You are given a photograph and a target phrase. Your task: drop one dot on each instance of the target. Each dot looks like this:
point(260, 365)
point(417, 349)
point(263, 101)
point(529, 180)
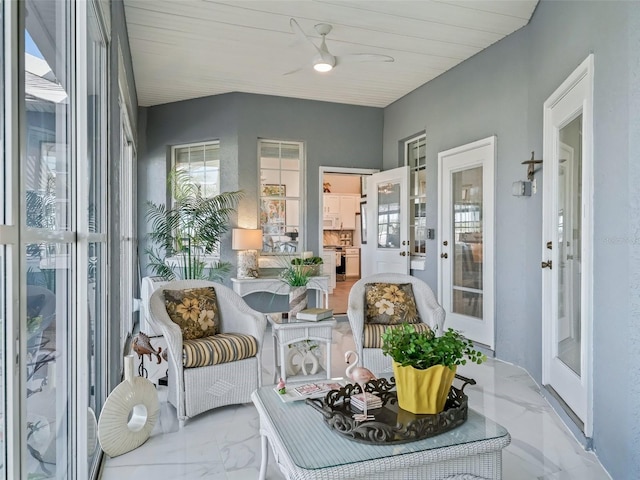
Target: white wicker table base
point(306, 438)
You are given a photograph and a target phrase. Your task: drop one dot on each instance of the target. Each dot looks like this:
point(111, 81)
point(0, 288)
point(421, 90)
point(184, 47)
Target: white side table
point(287, 331)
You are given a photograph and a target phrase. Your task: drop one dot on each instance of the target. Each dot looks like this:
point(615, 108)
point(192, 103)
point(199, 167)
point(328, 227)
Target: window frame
point(272, 259)
point(205, 144)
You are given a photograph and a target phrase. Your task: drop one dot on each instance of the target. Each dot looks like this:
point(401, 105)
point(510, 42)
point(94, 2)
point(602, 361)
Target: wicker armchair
point(429, 310)
point(196, 390)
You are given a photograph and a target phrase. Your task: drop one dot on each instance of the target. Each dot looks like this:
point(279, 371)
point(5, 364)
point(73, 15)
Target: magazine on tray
point(301, 391)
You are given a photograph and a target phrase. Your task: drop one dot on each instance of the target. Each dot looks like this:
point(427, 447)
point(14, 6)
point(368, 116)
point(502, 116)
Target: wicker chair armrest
point(237, 317)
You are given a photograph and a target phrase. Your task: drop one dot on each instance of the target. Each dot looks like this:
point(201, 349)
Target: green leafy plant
point(307, 261)
point(185, 234)
point(298, 271)
point(33, 323)
point(422, 350)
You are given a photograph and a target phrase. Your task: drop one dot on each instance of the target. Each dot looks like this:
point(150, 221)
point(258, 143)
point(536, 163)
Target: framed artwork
point(273, 211)
point(269, 190)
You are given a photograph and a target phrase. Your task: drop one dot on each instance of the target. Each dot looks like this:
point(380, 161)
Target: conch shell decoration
point(142, 346)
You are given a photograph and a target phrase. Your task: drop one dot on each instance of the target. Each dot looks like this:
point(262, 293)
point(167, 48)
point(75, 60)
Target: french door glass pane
point(3, 199)
point(468, 241)
point(48, 186)
point(569, 228)
point(389, 215)
point(96, 290)
point(48, 359)
point(3, 377)
point(95, 368)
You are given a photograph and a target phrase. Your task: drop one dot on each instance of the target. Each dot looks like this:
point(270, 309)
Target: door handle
point(444, 255)
point(546, 264)
point(403, 253)
point(445, 243)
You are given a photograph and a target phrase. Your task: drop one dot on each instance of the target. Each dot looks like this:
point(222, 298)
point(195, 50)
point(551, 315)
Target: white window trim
point(418, 260)
point(274, 259)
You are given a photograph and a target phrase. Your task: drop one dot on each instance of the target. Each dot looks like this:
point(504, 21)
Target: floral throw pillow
point(390, 303)
point(194, 310)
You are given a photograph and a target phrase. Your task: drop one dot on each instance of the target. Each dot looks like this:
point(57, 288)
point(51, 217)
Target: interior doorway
point(342, 196)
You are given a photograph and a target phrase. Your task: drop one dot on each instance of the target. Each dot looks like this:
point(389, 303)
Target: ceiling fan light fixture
point(322, 67)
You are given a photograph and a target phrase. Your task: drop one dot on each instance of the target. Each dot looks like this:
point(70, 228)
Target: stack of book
point(314, 314)
point(373, 402)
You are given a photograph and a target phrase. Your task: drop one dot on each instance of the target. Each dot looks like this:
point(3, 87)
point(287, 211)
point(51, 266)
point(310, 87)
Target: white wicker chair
point(195, 390)
point(429, 310)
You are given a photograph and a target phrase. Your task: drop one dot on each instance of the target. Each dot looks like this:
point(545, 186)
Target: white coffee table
point(304, 447)
point(287, 331)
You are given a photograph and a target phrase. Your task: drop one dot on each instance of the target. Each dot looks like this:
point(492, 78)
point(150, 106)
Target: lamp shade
point(246, 239)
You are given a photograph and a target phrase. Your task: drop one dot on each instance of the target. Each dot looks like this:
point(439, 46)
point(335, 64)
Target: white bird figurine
point(361, 376)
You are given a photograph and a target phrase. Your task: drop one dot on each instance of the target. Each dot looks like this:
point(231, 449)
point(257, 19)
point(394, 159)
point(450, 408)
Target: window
point(48, 172)
point(415, 158)
point(201, 163)
point(281, 176)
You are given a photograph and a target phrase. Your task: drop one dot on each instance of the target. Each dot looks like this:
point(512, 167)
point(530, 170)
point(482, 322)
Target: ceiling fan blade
point(302, 37)
point(363, 57)
point(293, 71)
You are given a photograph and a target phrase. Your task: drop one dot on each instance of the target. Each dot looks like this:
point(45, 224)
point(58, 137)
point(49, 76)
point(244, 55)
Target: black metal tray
point(391, 424)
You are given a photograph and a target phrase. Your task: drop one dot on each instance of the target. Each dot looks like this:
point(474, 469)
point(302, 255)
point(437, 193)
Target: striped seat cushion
point(372, 332)
point(220, 348)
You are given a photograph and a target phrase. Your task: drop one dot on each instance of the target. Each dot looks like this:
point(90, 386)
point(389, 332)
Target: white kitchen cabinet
point(331, 204)
point(342, 207)
point(329, 267)
point(349, 205)
point(352, 262)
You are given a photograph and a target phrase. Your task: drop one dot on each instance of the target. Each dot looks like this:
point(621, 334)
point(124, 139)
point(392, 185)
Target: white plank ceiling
point(186, 49)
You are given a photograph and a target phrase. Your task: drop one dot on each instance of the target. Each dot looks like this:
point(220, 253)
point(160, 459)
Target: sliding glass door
point(52, 237)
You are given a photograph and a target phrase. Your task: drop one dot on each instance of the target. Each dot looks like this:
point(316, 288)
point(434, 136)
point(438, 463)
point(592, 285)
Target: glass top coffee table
point(306, 448)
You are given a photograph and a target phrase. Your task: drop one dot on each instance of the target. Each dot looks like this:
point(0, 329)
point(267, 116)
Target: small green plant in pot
point(424, 364)
point(296, 273)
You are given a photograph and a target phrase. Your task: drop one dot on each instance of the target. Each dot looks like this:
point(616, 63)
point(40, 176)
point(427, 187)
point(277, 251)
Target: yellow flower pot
point(423, 391)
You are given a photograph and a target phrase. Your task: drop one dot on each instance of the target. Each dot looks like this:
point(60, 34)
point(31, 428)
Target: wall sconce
point(525, 188)
point(531, 168)
point(247, 242)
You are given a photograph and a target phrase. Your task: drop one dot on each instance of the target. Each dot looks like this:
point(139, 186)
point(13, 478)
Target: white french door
point(466, 268)
point(387, 248)
point(567, 238)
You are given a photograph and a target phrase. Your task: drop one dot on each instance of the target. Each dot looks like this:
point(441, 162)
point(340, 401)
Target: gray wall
point(333, 135)
point(501, 91)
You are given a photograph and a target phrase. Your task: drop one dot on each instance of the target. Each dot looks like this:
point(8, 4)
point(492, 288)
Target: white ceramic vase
point(129, 413)
point(297, 300)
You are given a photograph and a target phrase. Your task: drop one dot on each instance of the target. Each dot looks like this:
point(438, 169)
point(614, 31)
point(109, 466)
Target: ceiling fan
point(324, 61)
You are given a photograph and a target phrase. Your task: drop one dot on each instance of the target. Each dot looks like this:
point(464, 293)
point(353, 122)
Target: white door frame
point(484, 334)
point(321, 172)
point(388, 259)
point(578, 88)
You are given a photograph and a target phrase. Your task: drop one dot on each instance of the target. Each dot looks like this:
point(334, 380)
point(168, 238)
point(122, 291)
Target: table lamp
point(247, 242)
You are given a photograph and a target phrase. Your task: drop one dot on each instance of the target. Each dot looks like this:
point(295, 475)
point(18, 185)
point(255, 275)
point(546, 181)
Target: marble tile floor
point(224, 444)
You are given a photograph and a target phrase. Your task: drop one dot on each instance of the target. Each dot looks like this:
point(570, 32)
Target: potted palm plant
point(186, 234)
point(424, 364)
